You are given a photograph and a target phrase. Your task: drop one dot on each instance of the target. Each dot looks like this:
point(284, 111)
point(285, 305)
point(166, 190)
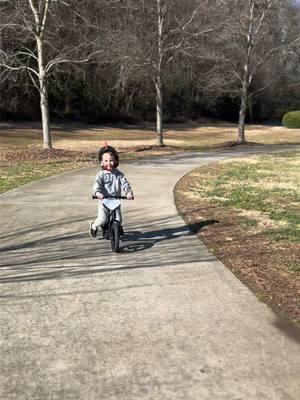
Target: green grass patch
point(264, 187)
point(293, 266)
point(14, 175)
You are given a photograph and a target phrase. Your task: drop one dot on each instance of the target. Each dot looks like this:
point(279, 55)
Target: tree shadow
point(287, 326)
point(74, 254)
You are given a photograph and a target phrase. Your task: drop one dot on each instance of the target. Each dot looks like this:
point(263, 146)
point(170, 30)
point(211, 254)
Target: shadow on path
point(146, 240)
point(75, 254)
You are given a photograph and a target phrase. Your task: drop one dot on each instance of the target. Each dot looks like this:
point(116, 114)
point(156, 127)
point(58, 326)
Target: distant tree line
point(110, 61)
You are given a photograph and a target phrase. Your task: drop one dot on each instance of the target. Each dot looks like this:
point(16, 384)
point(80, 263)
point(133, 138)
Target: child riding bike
point(109, 182)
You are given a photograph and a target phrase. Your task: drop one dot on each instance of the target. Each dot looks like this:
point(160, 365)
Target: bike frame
point(112, 221)
point(112, 204)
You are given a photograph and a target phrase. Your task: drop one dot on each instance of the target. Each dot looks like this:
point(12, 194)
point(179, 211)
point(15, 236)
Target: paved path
point(162, 320)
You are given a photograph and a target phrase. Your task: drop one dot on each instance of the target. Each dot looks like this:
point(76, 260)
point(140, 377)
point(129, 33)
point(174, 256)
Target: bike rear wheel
point(115, 238)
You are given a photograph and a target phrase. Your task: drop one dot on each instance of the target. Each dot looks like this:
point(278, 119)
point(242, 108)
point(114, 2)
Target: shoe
point(92, 232)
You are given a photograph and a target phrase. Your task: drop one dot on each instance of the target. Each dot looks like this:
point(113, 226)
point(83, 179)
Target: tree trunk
point(242, 116)
point(45, 117)
point(244, 99)
point(158, 85)
point(246, 76)
point(44, 97)
point(159, 127)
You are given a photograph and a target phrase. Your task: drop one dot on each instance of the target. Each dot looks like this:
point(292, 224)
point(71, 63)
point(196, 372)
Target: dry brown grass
point(85, 138)
point(76, 145)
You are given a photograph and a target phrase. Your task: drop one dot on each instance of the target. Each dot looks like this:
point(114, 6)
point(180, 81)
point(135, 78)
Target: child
point(109, 182)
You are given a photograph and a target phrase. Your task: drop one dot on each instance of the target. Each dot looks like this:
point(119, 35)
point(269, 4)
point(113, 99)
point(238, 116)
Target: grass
point(14, 175)
point(263, 189)
point(17, 140)
point(189, 136)
point(294, 266)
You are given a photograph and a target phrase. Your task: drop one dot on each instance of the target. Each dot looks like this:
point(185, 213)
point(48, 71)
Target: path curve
point(162, 320)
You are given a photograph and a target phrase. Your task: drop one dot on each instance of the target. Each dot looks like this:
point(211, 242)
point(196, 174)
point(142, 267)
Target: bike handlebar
point(113, 197)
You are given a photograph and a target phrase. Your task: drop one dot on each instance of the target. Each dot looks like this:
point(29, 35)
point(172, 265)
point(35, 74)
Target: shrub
point(291, 119)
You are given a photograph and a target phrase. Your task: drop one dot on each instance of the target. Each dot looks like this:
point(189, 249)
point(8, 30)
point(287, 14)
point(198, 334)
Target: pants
point(103, 214)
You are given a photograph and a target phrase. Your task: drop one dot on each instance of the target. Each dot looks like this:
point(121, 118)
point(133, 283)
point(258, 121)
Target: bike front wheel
point(115, 238)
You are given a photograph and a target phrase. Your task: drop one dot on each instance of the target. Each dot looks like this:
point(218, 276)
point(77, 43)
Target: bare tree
point(178, 25)
point(159, 31)
point(254, 36)
point(36, 37)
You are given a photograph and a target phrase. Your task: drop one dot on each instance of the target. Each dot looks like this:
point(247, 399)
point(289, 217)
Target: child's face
point(108, 161)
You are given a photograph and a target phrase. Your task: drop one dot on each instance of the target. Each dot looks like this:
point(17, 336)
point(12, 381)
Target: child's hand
point(129, 196)
point(99, 195)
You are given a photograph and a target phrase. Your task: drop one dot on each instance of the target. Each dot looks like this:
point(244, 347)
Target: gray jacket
point(111, 184)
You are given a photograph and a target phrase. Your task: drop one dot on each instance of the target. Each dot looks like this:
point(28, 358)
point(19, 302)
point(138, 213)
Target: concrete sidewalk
point(162, 320)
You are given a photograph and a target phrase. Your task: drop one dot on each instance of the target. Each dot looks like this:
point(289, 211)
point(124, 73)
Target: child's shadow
point(143, 241)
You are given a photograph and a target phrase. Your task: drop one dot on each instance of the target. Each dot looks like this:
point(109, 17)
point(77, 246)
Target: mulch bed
point(255, 259)
point(29, 154)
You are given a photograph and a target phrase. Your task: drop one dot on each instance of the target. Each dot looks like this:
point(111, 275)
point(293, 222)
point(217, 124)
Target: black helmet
point(109, 149)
